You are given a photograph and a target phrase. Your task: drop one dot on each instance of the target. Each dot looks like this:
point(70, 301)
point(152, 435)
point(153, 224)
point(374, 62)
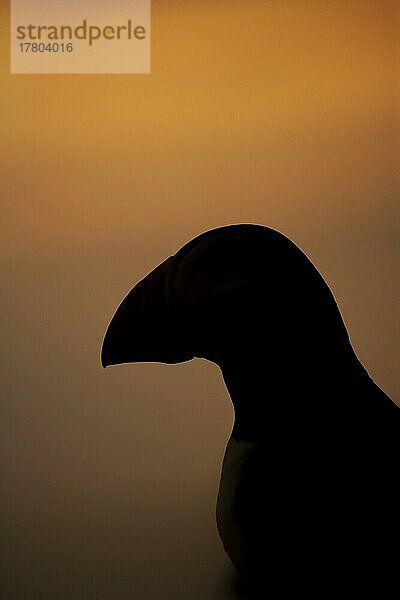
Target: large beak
point(145, 328)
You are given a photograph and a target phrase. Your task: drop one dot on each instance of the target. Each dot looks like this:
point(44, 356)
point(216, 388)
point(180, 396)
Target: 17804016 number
point(50, 47)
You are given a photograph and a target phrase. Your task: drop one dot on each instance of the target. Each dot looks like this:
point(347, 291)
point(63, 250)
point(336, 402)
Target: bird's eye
point(221, 260)
point(217, 277)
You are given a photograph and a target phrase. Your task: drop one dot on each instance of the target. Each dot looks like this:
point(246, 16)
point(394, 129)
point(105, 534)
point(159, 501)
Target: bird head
point(215, 296)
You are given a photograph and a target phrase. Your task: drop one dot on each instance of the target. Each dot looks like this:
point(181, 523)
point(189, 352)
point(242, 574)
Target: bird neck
point(271, 400)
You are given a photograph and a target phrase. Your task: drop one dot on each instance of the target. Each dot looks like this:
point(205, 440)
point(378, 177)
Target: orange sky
point(283, 113)
point(278, 110)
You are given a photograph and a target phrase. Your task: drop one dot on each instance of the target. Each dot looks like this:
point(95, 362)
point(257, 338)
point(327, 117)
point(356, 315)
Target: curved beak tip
point(103, 360)
point(106, 351)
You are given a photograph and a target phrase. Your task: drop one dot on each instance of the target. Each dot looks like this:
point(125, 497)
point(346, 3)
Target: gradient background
point(282, 113)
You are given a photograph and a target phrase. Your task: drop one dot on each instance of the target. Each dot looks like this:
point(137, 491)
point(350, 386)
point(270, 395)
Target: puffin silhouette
point(308, 493)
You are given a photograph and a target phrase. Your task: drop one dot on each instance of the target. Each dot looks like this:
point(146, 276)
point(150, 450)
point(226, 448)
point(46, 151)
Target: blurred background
point(283, 113)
